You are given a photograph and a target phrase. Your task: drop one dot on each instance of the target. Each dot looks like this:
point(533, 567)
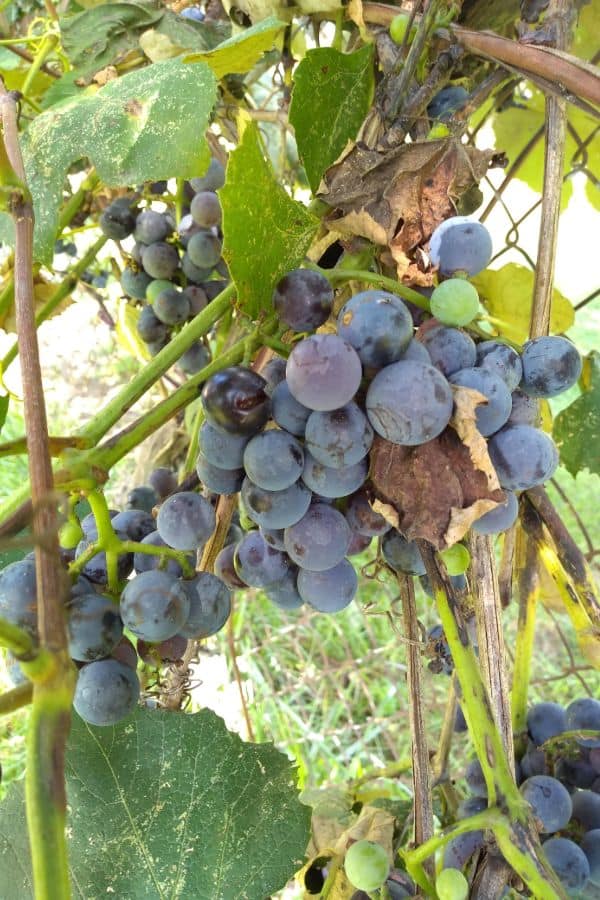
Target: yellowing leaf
point(507, 295)
point(127, 333)
point(242, 51)
point(42, 291)
point(157, 46)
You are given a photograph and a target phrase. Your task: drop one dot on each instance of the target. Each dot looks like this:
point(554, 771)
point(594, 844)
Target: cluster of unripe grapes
point(160, 600)
point(560, 779)
point(295, 439)
point(173, 271)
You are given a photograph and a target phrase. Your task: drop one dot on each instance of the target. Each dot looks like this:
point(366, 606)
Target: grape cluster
point(559, 776)
point(173, 272)
point(153, 612)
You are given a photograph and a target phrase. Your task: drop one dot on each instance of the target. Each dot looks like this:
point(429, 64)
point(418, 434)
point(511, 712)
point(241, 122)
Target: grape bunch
point(155, 609)
point(295, 441)
point(559, 776)
point(173, 272)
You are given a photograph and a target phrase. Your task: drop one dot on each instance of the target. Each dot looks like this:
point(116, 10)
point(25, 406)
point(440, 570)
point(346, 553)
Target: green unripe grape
point(366, 865)
point(398, 27)
point(455, 302)
point(156, 287)
point(438, 131)
point(456, 559)
point(451, 885)
point(70, 534)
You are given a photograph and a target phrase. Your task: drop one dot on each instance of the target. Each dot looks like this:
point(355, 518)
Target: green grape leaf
point(507, 293)
point(331, 96)
point(266, 233)
point(103, 35)
point(243, 50)
point(4, 400)
point(146, 126)
point(168, 805)
point(577, 428)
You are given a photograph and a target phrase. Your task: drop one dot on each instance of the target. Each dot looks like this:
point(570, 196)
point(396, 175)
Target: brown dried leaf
point(397, 197)
point(439, 488)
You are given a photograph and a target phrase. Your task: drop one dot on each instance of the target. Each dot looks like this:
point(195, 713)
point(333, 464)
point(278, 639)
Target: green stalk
point(16, 698)
point(137, 387)
point(63, 290)
point(45, 49)
point(74, 203)
point(382, 281)
point(15, 639)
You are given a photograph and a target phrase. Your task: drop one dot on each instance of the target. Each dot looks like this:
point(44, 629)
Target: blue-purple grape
point(216, 479)
point(274, 459)
point(212, 180)
point(160, 260)
point(210, 606)
point(378, 325)
point(460, 245)
point(319, 540)
point(205, 209)
point(409, 403)
point(144, 562)
point(490, 416)
point(134, 282)
point(106, 692)
point(235, 401)
point(502, 360)
point(136, 523)
point(525, 410)
point(275, 509)
point(171, 306)
point(546, 720)
point(94, 627)
point(204, 249)
point(499, 519)
point(186, 521)
point(340, 437)
point(284, 593)
point(582, 715)
point(258, 564)
point(323, 372)
point(363, 519)
point(18, 587)
point(303, 300)
point(333, 482)
point(550, 802)
point(154, 606)
point(152, 227)
point(329, 591)
point(449, 349)
point(569, 862)
point(195, 358)
point(287, 411)
point(402, 555)
point(222, 448)
point(522, 457)
point(551, 365)
point(149, 326)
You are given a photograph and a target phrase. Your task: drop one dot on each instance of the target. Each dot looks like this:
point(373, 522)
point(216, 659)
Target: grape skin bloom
point(323, 372)
point(409, 403)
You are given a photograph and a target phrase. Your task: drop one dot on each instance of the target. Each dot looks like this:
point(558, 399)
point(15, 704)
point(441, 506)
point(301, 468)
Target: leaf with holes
point(169, 805)
point(577, 428)
point(331, 97)
point(265, 232)
point(146, 126)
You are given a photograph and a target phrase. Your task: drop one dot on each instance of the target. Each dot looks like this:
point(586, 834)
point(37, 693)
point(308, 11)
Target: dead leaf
point(105, 75)
point(42, 290)
point(397, 197)
point(439, 488)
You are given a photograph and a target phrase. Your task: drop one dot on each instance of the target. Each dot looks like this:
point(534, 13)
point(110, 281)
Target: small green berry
point(451, 885)
point(366, 865)
point(70, 534)
point(456, 559)
point(398, 27)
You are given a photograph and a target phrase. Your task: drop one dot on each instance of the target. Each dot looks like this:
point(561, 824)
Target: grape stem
point(340, 275)
point(526, 570)
point(15, 699)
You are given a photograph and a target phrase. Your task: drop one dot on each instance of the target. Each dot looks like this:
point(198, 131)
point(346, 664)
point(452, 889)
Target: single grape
point(451, 885)
point(449, 349)
point(551, 365)
point(118, 219)
point(274, 460)
point(550, 802)
point(590, 844)
point(340, 437)
point(303, 299)
point(216, 479)
point(284, 593)
point(447, 101)
point(586, 808)
point(490, 416)
point(94, 627)
point(569, 862)
point(210, 606)
point(204, 249)
point(134, 282)
point(471, 806)
point(287, 411)
point(221, 448)
point(225, 569)
point(156, 287)
point(171, 306)
point(457, 559)
point(212, 180)
point(154, 606)
point(70, 534)
point(525, 410)
point(460, 245)
point(273, 372)
point(534, 763)
point(582, 715)
point(522, 457)
point(195, 358)
point(455, 302)
point(333, 482)
point(152, 227)
point(363, 519)
point(323, 372)
point(499, 519)
point(575, 773)
point(378, 325)
point(366, 864)
point(106, 692)
point(399, 27)
point(136, 523)
point(186, 521)
point(169, 651)
point(125, 653)
point(409, 403)
point(258, 564)
point(206, 209)
point(154, 347)
point(196, 274)
point(402, 555)
point(274, 537)
point(358, 544)
point(193, 13)
point(545, 721)
point(416, 352)
point(18, 590)
point(142, 497)
point(475, 779)
point(329, 591)
point(319, 540)
point(197, 298)
point(275, 509)
point(502, 360)
point(460, 849)
point(160, 260)
point(149, 327)
point(235, 401)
